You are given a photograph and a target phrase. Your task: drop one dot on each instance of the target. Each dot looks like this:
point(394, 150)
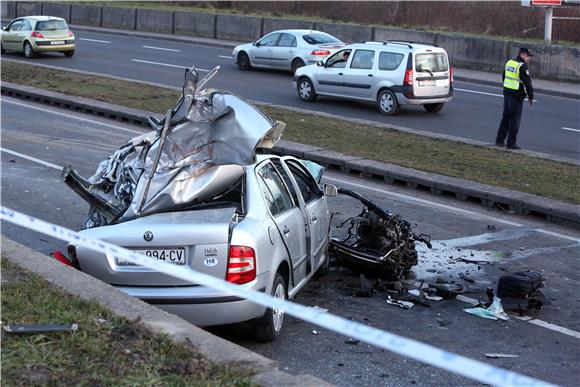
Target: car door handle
point(370, 75)
point(291, 51)
point(286, 230)
point(340, 74)
point(314, 219)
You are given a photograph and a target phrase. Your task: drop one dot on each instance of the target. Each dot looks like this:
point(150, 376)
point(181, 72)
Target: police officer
point(516, 84)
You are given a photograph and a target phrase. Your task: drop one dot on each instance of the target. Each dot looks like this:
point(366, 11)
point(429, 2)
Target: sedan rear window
point(320, 39)
point(431, 62)
point(51, 25)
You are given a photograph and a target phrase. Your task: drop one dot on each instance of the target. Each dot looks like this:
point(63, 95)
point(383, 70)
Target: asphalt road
point(551, 126)
point(46, 138)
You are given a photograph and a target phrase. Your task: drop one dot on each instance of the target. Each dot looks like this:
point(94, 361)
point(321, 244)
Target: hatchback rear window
point(51, 25)
point(319, 39)
point(433, 62)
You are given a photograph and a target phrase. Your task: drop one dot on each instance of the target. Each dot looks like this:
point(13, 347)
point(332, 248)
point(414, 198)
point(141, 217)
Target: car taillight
point(241, 265)
point(408, 77)
point(71, 35)
point(320, 52)
point(450, 74)
point(37, 34)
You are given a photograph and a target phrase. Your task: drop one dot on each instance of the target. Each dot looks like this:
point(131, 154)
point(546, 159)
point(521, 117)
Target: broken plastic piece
point(40, 328)
point(315, 332)
point(400, 304)
point(351, 341)
point(494, 312)
point(448, 291)
point(500, 355)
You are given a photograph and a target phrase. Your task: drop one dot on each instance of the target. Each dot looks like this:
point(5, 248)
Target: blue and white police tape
point(425, 353)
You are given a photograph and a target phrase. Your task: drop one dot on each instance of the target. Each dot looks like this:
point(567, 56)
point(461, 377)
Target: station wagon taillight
point(320, 52)
point(450, 74)
point(408, 77)
point(37, 34)
point(241, 265)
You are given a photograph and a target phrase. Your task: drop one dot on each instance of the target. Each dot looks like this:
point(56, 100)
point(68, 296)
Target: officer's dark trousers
point(510, 122)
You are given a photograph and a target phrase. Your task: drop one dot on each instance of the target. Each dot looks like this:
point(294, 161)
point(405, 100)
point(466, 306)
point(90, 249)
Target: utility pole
point(549, 12)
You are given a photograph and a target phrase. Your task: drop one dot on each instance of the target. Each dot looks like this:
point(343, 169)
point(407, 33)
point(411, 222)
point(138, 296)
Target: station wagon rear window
point(431, 61)
point(319, 39)
point(51, 25)
point(390, 60)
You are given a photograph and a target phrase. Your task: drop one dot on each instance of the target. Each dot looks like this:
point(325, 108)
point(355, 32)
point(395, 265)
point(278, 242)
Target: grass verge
point(105, 350)
point(484, 165)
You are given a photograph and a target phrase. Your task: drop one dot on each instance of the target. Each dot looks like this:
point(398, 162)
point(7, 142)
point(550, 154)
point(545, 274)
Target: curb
point(489, 196)
point(214, 348)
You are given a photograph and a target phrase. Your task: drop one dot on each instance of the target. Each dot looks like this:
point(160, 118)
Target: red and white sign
point(547, 2)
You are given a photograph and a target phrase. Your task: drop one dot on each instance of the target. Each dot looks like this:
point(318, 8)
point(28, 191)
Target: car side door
point(9, 35)
point(284, 51)
point(358, 78)
point(261, 51)
point(330, 77)
point(287, 216)
point(25, 31)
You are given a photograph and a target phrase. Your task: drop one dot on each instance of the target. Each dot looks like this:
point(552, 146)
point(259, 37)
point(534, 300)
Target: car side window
point(269, 40)
point(363, 59)
point(274, 190)
point(306, 184)
point(390, 60)
point(26, 26)
point(15, 26)
point(338, 60)
point(287, 40)
point(278, 164)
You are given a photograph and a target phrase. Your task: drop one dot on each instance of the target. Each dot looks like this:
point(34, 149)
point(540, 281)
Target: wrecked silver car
point(199, 191)
point(377, 242)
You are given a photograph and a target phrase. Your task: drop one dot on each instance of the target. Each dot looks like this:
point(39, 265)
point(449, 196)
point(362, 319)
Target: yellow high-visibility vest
point(512, 75)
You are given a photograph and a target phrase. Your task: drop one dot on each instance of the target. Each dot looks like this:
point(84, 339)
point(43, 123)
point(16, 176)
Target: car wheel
point(433, 107)
point(296, 64)
point(387, 103)
point(28, 50)
point(270, 325)
point(244, 61)
point(306, 90)
point(2, 50)
point(68, 54)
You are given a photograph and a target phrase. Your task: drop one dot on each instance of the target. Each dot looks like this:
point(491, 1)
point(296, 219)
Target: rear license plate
point(428, 82)
point(57, 42)
point(175, 256)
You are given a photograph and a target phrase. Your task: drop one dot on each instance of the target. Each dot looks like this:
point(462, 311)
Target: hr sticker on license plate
point(57, 42)
point(175, 256)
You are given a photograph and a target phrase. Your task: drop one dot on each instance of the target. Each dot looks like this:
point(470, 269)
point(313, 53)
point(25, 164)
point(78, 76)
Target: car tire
point(306, 90)
point(244, 61)
point(2, 50)
point(296, 64)
point(69, 54)
point(433, 107)
point(28, 50)
point(270, 324)
point(387, 103)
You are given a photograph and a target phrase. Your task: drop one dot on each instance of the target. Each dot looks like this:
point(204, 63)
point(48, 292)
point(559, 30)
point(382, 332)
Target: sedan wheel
point(387, 103)
point(296, 64)
point(244, 61)
point(306, 90)
point(270, 325)
point(28, 51)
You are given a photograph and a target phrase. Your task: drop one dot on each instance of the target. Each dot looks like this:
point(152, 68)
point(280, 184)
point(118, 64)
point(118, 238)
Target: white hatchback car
point(286, 50)
point(389, 73)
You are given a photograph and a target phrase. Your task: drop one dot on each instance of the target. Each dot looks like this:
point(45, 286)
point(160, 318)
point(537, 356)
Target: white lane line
point(161, 48)
point(96, 40)
point(571, 129)
point(73, 117)
point(225, 57)
point(478, 92)
point(30, 158)
point(555, 327)
point(165, 64)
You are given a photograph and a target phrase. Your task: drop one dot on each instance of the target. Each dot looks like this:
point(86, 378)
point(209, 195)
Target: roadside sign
point(547, 3)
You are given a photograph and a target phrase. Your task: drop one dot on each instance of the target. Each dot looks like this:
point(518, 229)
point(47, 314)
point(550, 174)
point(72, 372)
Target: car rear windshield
point(51, 25)
point(319, 39)
point(433, 62)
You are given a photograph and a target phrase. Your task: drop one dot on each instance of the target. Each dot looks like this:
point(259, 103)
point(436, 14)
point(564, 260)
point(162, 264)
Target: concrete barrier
point(474, 53)
point(196, 24)
point(270, 25)
point(154, 20)
point(8, 9)
point(86, 15)
point(115, 17)
point(380, 33)
point(350, 33)
point(28, 8)
point(239, 28)
point(56, 9)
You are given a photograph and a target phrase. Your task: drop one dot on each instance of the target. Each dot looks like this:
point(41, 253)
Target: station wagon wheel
point(244, 61)
point(270, 325)
point(306, 90)
point(387, 102)
point(296, 64)
point(433, 107)
point(28, 50)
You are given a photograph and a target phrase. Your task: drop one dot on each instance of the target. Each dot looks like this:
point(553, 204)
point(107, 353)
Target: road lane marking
point(161, 48)
point(225, 57)
point(132, 131)
point(571, 129)
point(96, 40)
point(30, 158)
point(555, 327)
point(165, 64)
point(478, 92)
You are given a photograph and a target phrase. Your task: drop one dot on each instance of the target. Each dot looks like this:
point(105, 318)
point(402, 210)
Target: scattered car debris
point(500, 355)
point(40, 328)
point(521, 291)
point(448, 291)
point(466, 278)
point(493, 312)
point(399, 303)
point(319, 309)
point(315, 332)
point(491, 227)
point(377, 242)
point(351, 341)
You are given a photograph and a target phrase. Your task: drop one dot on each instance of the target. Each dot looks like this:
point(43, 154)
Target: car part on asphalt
point(448, 291)
point(493, 312)
point(500, 356)
point(377, 242)
point(399, 303)
point(521, 284)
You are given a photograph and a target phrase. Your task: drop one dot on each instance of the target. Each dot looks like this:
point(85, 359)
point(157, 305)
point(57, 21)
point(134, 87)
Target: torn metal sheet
point(377, 242)
point(194, 154)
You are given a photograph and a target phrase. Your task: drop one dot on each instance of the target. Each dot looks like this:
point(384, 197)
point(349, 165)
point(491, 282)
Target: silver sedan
point(286, 50)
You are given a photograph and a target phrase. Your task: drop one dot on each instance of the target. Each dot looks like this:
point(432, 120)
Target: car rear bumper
point(403, 100)
point(47, 47)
